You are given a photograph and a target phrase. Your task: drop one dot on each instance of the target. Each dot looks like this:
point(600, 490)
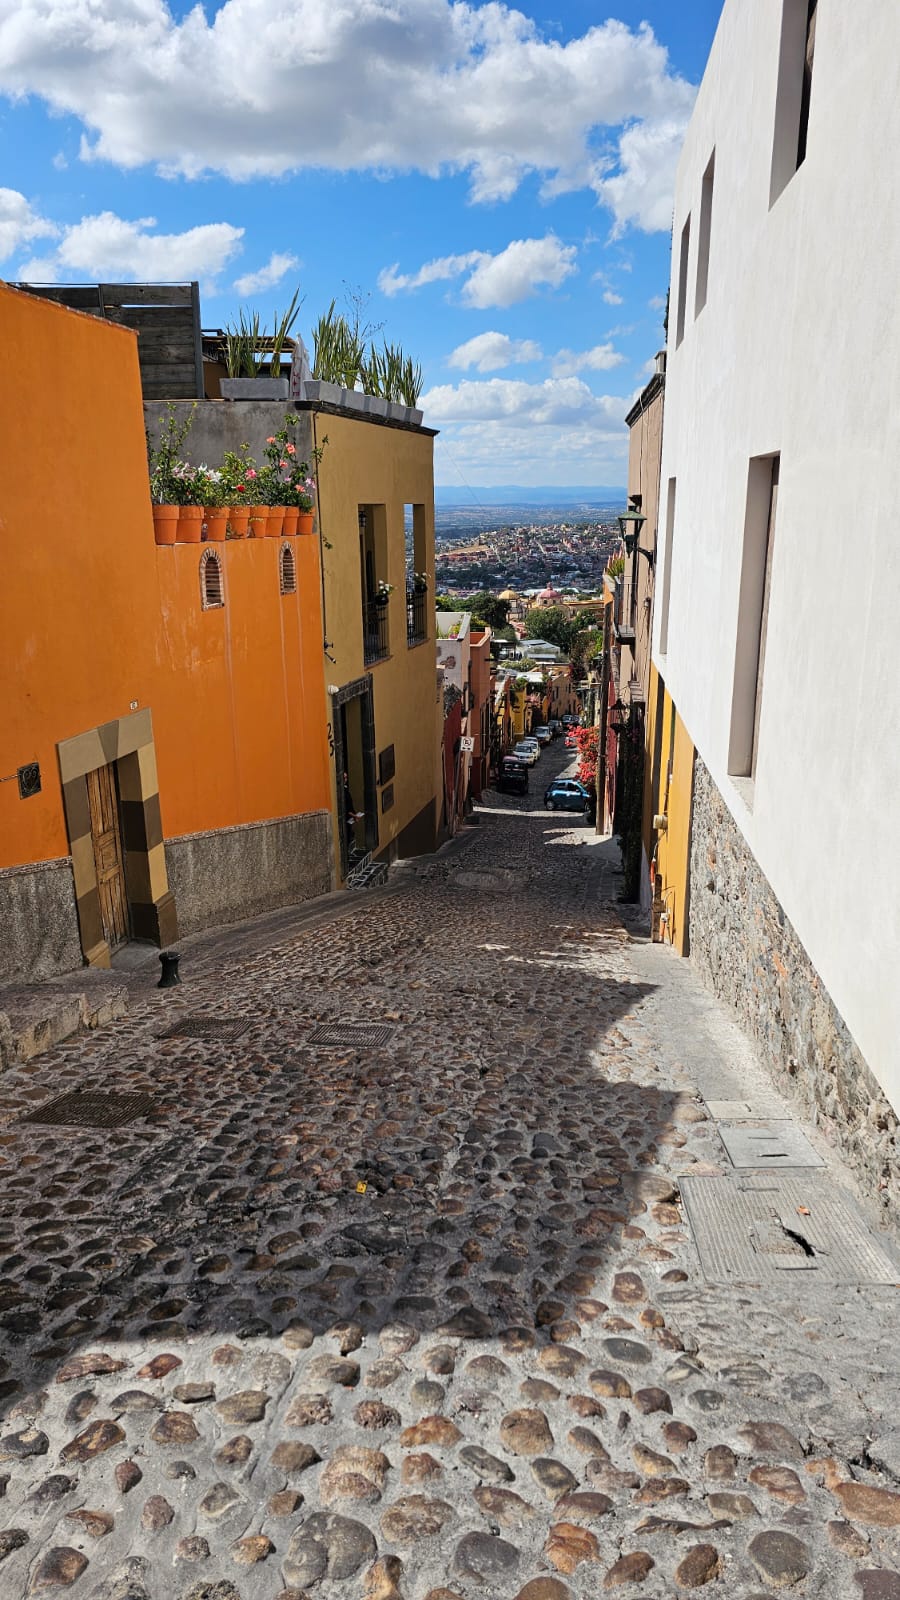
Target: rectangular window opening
point(667, 575)
point(753, 614)
point(706, 202)
point(419, 582)
point(794, 92)
point(683, 281)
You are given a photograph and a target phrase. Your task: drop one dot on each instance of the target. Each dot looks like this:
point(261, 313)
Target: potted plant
point(210, 483)
point(383, 593)
point(188, 486)
point(420, 582)
point(166, 487)
point(234, 487)
point(245, 343)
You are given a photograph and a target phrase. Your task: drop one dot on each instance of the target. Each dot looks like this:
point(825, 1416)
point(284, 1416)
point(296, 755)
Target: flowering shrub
point(587, 741)
point(169, 486)
point(384, 591)
point(420, 582)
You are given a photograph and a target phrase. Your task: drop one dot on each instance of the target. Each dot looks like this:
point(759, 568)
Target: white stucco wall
point(797, 351)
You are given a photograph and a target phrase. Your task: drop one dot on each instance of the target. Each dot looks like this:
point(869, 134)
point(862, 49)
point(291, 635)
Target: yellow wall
point(671, 794)
point(367, 464)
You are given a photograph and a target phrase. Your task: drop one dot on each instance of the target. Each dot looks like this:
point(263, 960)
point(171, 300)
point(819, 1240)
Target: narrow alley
point(390, 1286)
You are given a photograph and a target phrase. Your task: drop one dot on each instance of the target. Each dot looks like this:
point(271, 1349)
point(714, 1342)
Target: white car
point(543, 735)
point(527, 750)
point(530, 739)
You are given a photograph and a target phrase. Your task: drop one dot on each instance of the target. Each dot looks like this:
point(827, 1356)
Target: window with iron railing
point(416, 616)
point(375, 632)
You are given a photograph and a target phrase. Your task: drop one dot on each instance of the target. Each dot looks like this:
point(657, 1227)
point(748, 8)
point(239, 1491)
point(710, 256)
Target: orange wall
point(95, 617)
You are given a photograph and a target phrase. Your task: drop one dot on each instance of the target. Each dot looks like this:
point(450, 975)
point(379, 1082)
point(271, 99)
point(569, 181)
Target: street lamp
point(630, 524)
point(618, 716)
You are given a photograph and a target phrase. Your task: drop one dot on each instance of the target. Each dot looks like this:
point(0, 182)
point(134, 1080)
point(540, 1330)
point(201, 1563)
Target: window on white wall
point(794, 91)
point(703, 234)
point(683, 281)
point(667, 574)
point(753, 615)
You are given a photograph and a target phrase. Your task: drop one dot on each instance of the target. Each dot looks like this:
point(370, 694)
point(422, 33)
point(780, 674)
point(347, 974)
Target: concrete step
point(36, 1016)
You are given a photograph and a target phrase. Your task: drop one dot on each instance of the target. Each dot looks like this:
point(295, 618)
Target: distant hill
point(516, 494)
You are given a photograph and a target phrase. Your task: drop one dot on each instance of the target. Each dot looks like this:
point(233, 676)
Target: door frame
point(127, 744)
point(358, 689)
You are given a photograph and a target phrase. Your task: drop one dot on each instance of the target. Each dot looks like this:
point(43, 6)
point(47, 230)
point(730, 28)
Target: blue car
point(567, 794)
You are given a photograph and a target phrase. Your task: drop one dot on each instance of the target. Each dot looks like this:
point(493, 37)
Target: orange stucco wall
point(97, 621)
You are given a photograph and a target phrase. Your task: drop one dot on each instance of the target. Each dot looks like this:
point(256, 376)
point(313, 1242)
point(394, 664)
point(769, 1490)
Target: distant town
point(567, 552)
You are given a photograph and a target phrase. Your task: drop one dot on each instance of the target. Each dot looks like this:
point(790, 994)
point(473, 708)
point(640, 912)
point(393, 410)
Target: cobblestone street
point(423, 1319)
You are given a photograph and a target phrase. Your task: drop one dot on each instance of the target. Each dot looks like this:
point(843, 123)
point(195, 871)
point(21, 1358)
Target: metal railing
point(375, 632)
point(416, 615)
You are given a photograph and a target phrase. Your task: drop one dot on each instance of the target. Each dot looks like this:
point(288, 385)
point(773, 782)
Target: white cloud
point(640, 185)
point(658, 303)
point(506, 430)
point(392, 282)
point(611, 298)
point(261, 88)
point(513, 274)
point(19, 223)
point(269, 276)
point(107, 246)
point(554, 402)
point(489, 352)
point(566, 363)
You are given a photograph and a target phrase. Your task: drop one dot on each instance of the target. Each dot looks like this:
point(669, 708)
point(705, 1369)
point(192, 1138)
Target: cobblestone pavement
point(422, 1319)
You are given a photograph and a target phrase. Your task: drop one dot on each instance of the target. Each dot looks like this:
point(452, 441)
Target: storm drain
point(224, 1030)
point(761, 1144)
point(754, 1231)
point(89, 1108)
point(352, 1035)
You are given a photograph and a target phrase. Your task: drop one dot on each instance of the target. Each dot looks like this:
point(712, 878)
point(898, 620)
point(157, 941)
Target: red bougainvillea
point(588, 743)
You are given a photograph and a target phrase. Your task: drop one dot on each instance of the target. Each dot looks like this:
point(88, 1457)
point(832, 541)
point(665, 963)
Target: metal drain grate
point(225, 1030)
point(349, 1035)
point(89, 1108)
point(761, 1144)
point(755, 1231)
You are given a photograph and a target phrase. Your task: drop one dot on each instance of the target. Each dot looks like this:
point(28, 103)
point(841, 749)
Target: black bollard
point(169, 960)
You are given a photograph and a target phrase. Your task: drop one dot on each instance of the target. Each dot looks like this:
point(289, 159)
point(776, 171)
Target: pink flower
point(284, 463)
point(291, 449)
point(251, 473)
point(271, 439)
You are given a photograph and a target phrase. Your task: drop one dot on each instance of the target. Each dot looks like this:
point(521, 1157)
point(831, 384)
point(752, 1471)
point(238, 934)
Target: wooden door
point(104, 805)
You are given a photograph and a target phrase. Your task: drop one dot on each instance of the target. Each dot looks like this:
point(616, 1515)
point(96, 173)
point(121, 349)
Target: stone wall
point(39, 921)
point(746, 950)
point(240, 872)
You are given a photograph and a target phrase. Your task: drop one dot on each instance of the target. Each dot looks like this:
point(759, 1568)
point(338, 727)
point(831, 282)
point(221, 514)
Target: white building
point(777, 609)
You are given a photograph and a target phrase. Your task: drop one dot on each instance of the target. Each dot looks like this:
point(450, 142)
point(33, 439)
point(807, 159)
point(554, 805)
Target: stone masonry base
point(746, 950)
point(233, 873)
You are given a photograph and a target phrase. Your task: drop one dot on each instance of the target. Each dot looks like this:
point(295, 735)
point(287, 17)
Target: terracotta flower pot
point(165, 523)
point(259, 516)
point(190, 524)
point(305, 521)
point(238, 521)
point(290, 521)
point(275, 522)
point(216, 522)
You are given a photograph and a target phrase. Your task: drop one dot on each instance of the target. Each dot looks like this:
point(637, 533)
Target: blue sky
point(498, 179)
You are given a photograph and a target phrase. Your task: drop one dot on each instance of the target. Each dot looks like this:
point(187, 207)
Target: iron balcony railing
point(416, 615)
point(375, 632)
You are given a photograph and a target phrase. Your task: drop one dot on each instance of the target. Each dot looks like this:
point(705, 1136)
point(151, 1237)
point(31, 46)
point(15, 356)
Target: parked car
point(532, 743)
point(567, 794)
point(527, 751)
point(571, 742)
point(543, 735)
point(513, 776)
point(570, 720)
point(555, 727)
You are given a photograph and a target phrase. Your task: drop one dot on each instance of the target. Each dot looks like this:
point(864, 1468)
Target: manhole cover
point(343, 1035)
point(756, 1143)
point(88, 1108)
point(753, 1232)
point(226, 1030)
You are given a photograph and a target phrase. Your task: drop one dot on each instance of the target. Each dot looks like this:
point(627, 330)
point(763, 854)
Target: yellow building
point(376, 520)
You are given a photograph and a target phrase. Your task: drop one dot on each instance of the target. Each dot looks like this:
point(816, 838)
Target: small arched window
point(212, 592)
point(288, 570)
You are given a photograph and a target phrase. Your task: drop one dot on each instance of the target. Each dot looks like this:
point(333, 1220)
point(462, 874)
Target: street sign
point(467, 744)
